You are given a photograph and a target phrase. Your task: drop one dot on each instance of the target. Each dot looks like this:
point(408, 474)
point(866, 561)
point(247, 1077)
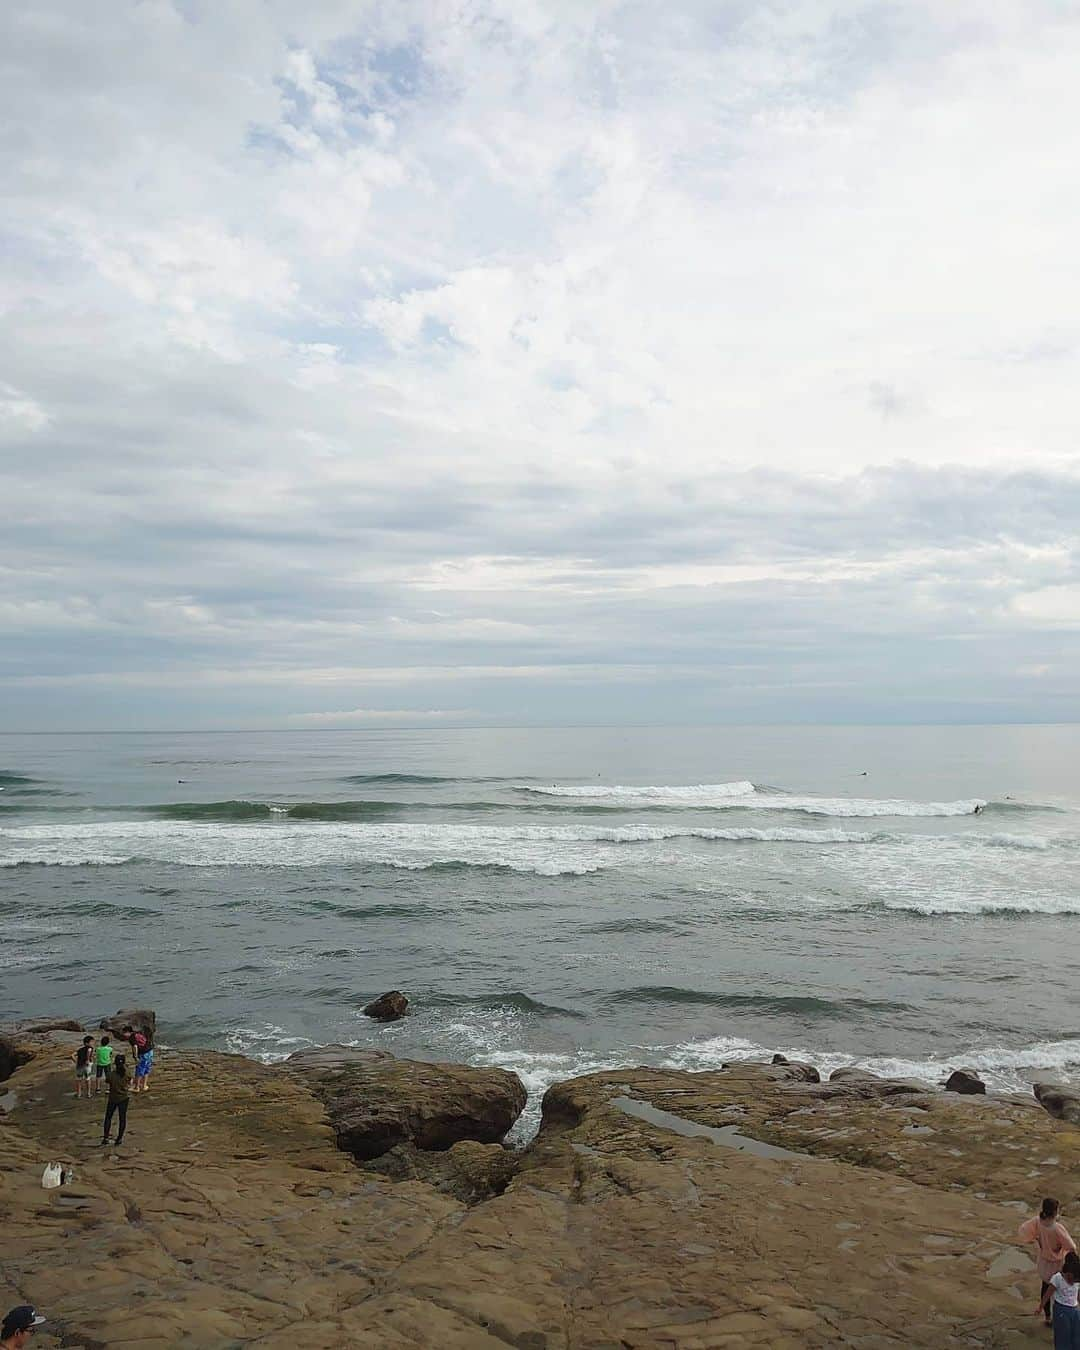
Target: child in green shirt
point(103, 1062)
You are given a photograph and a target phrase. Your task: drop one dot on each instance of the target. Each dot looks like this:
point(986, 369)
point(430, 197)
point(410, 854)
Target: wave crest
point(743, 795)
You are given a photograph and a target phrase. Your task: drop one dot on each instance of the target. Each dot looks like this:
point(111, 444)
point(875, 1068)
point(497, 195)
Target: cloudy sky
point(443, 362)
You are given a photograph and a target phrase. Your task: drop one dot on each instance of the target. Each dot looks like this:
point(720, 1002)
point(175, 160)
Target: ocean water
point(554, 901)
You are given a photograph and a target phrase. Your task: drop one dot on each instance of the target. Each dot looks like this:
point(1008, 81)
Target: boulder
point(142, 1019)
point(966, 1081)
point(1061, 1101)
point(863, 1083)
point(387, 1007)
point(803, 1073)
point(375, 1102)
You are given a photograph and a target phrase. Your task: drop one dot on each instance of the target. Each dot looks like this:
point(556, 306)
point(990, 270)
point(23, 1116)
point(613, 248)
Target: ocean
point(554, 901)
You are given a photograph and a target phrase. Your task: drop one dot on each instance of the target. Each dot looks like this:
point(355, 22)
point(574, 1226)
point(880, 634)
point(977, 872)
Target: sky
point(496, 362)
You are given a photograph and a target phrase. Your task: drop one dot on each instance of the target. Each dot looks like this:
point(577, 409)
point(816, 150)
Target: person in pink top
point(1052, 1242)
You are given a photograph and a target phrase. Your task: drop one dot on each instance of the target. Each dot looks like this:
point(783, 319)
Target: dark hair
point(104, 1040)
point(1070, 1267)
point(129, 1027)
point(121, 1063)
point(1049, 1209)
point(87, 1039)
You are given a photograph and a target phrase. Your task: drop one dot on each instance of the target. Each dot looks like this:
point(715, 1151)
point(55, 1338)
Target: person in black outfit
point(119, 1081)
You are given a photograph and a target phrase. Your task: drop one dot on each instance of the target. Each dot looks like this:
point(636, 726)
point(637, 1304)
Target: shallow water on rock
point(727, 1136)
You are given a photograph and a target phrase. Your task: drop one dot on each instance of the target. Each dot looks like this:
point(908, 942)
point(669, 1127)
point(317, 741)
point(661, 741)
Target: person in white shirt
point(1063, 1289)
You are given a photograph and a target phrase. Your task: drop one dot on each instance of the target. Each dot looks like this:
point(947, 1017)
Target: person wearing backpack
point(142, 1047)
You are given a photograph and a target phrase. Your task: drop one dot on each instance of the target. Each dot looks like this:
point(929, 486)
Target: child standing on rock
point(84, 1066)
point(1062, 1290)
point(103, 1062)
point(1052, 1244)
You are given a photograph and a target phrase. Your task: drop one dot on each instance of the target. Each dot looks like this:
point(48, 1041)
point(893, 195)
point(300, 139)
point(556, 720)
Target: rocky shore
point(347, 1198)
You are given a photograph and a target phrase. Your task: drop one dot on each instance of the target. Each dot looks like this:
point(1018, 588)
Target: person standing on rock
point(84, 1066)
point(1062, 1292)
point(119, 1088)
point(103, 1058)
point(144, 1059)
point(1052, 1244)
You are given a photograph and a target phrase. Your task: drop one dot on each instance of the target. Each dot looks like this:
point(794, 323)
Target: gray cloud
point(560, 365)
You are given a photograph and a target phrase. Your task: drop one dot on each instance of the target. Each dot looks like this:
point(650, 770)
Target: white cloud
point(550, 339)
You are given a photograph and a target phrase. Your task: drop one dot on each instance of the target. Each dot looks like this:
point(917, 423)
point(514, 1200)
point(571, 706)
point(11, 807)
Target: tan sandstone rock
point(376, 1102)
point(646, 1214)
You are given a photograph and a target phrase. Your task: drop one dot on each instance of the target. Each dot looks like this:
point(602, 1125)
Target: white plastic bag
point(52, 1176)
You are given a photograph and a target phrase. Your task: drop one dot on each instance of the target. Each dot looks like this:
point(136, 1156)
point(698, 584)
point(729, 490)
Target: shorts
point(102, 1070)
point(144, 1064)
point(87, 1071)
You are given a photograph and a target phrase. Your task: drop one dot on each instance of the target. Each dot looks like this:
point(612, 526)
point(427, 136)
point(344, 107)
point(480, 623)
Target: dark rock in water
point(805, 1073)
point(375, 1102)
point(966, 1081)
point(1061, 1101)
point(387, 1007)
point(142, 1019)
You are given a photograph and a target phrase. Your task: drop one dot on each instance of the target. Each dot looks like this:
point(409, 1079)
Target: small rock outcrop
point(1062, 1102)
point(142, 1019)
point(863, 1083)
point(387, 1007)
point(966, 1081)
point(376, 1102)
point(11, 1057)
point(807, 1073)
point(469, 1171)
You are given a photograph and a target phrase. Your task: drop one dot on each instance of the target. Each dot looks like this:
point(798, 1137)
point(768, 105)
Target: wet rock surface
point(140, 1019)
point(966, 1081)
point(387, 1007)
point(231, 1217)
point(1062, 1102)
point(376, 1102)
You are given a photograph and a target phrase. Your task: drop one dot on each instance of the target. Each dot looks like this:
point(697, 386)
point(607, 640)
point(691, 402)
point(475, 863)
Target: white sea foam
point(1003, 1068)
point(1015, 901)
point(699, 794)
point(547, 850)
point(60, 855)
point(1031, 841)
point(488, 1038)
point(550, 850)
point(745, 796)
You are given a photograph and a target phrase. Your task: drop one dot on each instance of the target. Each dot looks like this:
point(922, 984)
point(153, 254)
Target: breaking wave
point(274, 837)
point(743, 795)
point(1003, 1068)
